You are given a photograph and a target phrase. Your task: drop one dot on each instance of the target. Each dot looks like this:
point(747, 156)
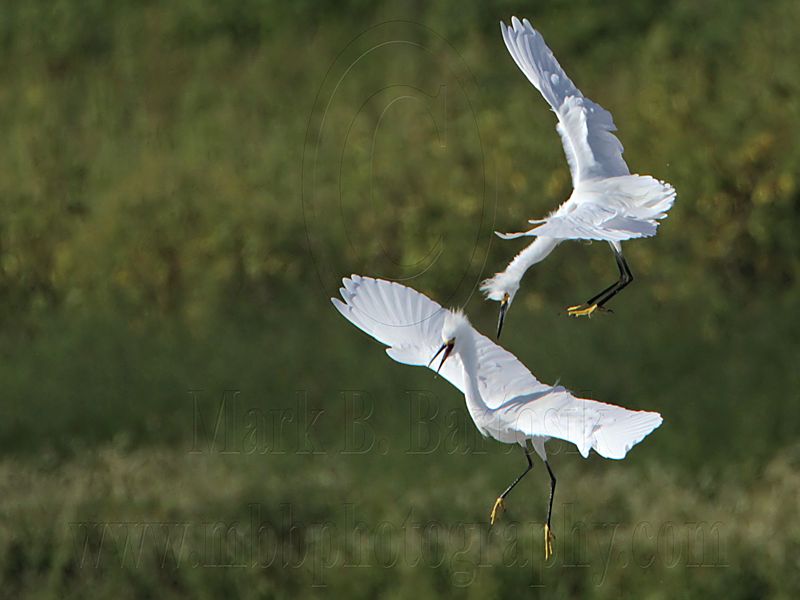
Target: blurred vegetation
point(143, 523)
point(182, 184)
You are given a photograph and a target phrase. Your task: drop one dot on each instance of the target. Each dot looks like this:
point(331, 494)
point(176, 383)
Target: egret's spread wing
point(410, 323)
point(585, 127)
point(407, 321)
point(609, 430)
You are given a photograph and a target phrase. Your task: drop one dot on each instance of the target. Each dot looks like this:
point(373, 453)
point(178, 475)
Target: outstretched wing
point(609, 430)
point(411, 324)
point(585, 127)
point(407, 321)
point(594, 222)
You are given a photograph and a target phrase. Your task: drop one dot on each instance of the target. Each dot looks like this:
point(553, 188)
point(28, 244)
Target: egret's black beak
point(501, 318)
point(448, 348)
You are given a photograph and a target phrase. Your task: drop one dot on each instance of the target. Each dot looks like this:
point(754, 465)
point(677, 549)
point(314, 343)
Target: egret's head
point(455, 330)
point(501, 288)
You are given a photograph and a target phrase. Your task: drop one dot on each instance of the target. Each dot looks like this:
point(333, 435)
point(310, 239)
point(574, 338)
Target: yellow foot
point(548, 541)
point(496, 510)
point(582, 310)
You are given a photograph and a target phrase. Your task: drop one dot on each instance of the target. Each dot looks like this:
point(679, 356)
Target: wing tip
point(342, 307)
point(513, 236)
point(615, 445)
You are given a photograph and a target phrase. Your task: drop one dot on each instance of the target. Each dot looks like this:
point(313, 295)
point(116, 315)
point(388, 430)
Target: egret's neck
point(533, 253)
point(469, 361)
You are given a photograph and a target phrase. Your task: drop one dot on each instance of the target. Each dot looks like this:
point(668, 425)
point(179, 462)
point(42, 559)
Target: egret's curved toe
point(496, 510)
point(586, 310)
point(548, 541)
point(582, 310)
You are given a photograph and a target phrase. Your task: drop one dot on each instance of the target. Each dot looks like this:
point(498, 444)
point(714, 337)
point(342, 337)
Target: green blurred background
point(184, 414)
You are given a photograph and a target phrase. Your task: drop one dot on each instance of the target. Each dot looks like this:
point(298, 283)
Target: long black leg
point(625, 278)
point(552, 491)
point(600, 299)
point(498, 505)
point(617, 257)
point(591, 300)
point(521, 475)
point(548, 531)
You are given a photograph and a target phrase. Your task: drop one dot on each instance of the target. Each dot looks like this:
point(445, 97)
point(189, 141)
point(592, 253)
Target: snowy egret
point(504, 399)
point(607, 202)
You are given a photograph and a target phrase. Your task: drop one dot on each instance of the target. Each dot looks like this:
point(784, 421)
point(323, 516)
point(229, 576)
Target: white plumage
point(607, 203)
point(504, 399)
point(592, 150)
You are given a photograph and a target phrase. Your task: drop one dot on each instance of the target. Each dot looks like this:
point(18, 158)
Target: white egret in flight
point(607, 202)
point(504, 399)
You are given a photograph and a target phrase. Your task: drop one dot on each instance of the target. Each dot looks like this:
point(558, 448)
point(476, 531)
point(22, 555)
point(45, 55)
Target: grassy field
point(134, 523)
point(184, 415)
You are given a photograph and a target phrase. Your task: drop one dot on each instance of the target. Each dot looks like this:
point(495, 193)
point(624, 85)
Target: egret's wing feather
point(612, 209)
point(411, 324)
point(407, 321)
point(595, 222)
point(609, 430)
point(393, 314)
point(585, 127)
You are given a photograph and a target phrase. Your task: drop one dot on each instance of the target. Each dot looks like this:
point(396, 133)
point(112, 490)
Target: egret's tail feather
point(646, 198)
point(612, 209)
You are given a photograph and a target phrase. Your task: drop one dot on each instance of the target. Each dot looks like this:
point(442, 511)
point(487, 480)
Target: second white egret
point(608, 203)
point(504, 399)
